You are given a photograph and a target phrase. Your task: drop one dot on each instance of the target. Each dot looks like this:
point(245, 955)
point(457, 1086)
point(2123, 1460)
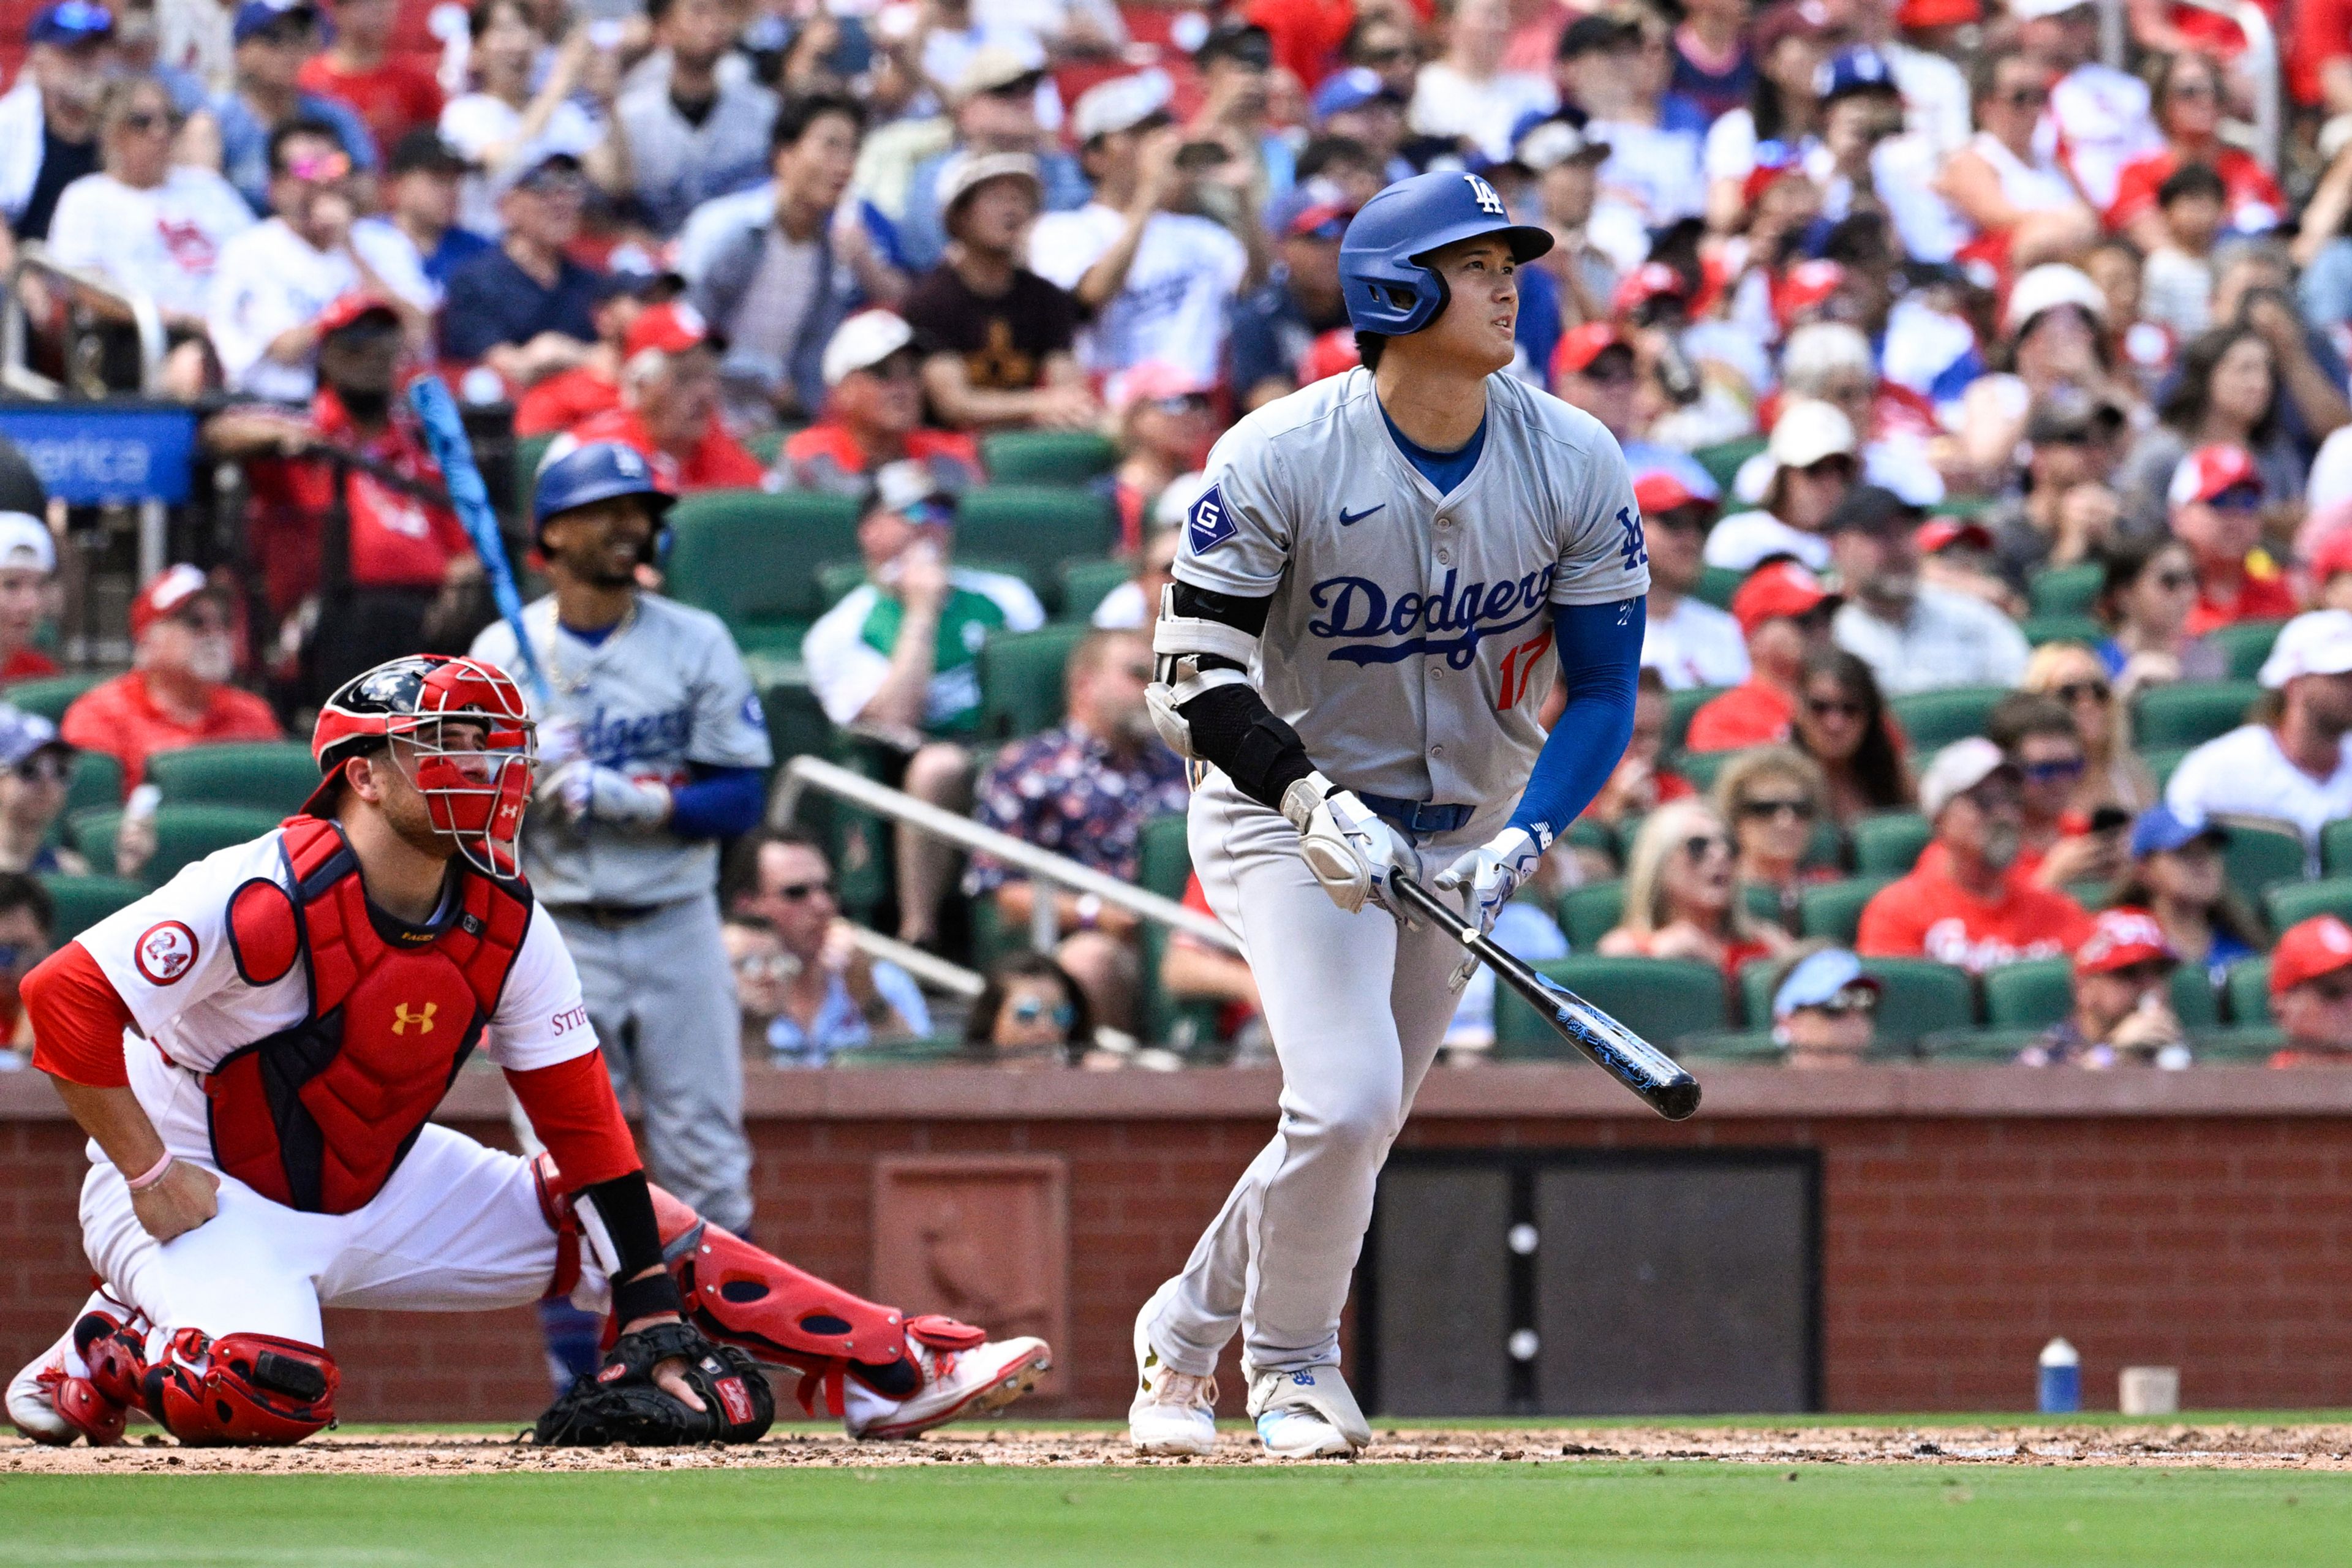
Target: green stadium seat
point(96, 783)
point(1826, 850)
point(1046, 456)
point(2248, 991)
point(1716, 584)
point(2191, 712)
point(837, 579)
point(752, 559)
point(2162, 760)
point(530, 452)
point(1701, 768)
point(1887, 842)
point(768, 446)
point(1040, 526)
point(1933, 720)
point(1763, 902)
point(2064, 589)
point(1590, 912)
point(1976, 1047)
point(1680, 706)
point(2262, 855)
point(1660, 999)
point(1832, 910)
point(2042, 629)
point(2243, 1048)
point(51, 695)
point(927, 1052)
point(2335, 848)
point(1917, 996)
point(273, 775)
point(1722, 461)
point(1585, 833)
point(184, 833)
point(2296, 901)
point(1021, 680)
point(2245, 644)
point(82, 902)
point(1731, 1047)
point(1086, 583)
point(1163, 865)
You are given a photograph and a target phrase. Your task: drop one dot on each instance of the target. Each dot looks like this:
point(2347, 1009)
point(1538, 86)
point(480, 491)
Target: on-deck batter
point(1357, 645)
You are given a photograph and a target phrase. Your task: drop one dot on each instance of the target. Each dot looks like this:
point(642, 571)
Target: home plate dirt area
point(2187, 1442)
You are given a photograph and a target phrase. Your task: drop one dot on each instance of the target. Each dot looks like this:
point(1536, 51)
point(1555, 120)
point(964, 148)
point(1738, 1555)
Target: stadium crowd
point(1986, 403)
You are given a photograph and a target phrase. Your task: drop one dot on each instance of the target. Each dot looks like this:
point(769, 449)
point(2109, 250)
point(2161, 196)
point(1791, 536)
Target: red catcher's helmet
point(476, 792)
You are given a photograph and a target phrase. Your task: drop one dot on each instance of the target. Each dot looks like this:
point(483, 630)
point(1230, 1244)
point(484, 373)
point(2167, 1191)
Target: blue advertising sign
point(92, 453)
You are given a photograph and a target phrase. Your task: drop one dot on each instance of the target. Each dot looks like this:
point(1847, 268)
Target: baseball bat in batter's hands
point(1662, 1082)
point(445, 437)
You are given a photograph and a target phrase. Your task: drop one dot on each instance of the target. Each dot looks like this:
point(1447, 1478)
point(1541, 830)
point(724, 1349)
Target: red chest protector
point(318, 1115)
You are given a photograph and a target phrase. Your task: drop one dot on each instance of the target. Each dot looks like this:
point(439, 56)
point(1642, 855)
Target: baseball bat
point(445, 436)
point(1662, 1082)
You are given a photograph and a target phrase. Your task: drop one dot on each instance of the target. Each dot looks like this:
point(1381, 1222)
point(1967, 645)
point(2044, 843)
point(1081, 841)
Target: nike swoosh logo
point(1349, 519)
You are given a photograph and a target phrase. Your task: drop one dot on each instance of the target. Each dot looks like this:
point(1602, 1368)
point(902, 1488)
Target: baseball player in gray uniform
point(651, 752)
point(1359, 637)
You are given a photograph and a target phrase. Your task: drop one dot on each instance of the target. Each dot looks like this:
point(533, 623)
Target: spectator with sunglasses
point(2146, 593)
point(2187, 89)
point(807, 991)
point(2057, 846)
point(27, 920)
point(2114, 775)
point(2177, 874)
point(1825, 1010)
point(1773, 796)
point(274, 38)
point(1785, 613)
point(153, 226)
point(50, 120)
point(1084, 789)
point(1166, 425)
point(35, 768)
point(2294, 763)
point(872, 416)
point(2217, 512)
point(2066, 514)
point(1681, 897)
point(177, 691)
point(1968, 902)
point(1031, 1014)
point(1841, 721)
point(526, 308)
point(2311, 994)
point(2018, 201)
point(1813, 460)
point(1687, 641)
point(2123, 1012)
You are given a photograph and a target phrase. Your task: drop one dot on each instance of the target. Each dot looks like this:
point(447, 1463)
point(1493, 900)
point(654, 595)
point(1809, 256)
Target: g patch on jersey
point(1206, 526)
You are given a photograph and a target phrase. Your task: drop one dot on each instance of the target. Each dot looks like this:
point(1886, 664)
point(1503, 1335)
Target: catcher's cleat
point(1307, 1413)
point(963, 1374)
point(1174, 1412)
point(83, 1385)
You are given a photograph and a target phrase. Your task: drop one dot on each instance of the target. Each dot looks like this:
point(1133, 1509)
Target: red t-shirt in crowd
point(2263, 595)
point(1928, 915)
point(717, 462)
point(1750, 714)
point(27, 664)
point(2322, 32)
point(1306, 34)
point(567, 398)
point(395, 99)
point(2245, 182)
point(122, 720)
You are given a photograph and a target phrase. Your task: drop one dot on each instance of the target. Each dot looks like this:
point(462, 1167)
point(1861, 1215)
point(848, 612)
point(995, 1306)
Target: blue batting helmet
point(595, 472)
point(1389, 289)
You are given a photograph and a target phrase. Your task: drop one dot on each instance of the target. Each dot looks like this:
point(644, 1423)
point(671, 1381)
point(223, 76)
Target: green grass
point(1619, 1516)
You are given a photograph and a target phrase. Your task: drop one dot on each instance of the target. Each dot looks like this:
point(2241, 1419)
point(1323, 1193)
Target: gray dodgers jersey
point(1409, 640)
point(665, 689)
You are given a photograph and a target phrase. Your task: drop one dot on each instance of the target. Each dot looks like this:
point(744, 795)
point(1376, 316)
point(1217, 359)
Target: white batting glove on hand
point(1492, 873)
point(1349, 850)
point(587, 793)
point(561, 744)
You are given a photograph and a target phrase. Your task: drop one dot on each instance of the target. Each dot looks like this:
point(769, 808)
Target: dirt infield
point(2175, 1445)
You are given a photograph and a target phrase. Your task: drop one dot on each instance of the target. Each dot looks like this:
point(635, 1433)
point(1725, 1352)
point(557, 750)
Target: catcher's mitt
point(622, 1403)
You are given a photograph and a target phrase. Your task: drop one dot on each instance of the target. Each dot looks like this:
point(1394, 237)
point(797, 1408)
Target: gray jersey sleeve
point(1602, 556)
point(1237, 534)
point(731, 729)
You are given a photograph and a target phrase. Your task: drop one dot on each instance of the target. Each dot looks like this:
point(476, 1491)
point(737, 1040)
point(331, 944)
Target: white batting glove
point(1492, 873)
point(1349, 850)
point(584, 792)
point(561, 744)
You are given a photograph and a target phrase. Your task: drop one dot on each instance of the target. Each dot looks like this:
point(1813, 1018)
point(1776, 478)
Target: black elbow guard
point(1233, 729)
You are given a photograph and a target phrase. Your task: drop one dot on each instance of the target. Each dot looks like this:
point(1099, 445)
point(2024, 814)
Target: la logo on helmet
point(1489, 202)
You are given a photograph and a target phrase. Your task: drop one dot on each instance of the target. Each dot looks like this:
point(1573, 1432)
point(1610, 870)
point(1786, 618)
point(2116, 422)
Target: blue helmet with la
point(1384, 272)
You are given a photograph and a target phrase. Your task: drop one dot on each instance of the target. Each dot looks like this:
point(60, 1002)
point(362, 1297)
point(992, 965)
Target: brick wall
point(2202, 1219)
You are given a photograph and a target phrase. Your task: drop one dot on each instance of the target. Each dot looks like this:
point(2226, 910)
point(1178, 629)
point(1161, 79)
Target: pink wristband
point(153, 1174)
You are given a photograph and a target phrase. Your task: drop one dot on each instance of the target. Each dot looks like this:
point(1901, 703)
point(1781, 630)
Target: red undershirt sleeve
point(79, 1018)
point(571, 1108)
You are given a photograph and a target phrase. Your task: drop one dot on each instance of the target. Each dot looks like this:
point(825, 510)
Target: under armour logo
point(402, 1017)
point(1489, 202)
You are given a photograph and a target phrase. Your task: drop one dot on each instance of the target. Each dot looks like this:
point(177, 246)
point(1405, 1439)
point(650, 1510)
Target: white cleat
point(1174, 1412)
point(1308, 1412)
point(957, 1382)
point(52, 1399)
point(33, 1395)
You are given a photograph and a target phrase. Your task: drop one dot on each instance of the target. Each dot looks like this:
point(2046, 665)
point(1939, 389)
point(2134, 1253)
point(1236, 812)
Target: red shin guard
point(248, 1390)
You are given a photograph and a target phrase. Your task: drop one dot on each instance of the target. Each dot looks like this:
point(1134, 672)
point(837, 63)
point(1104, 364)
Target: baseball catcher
point(255, 1050)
